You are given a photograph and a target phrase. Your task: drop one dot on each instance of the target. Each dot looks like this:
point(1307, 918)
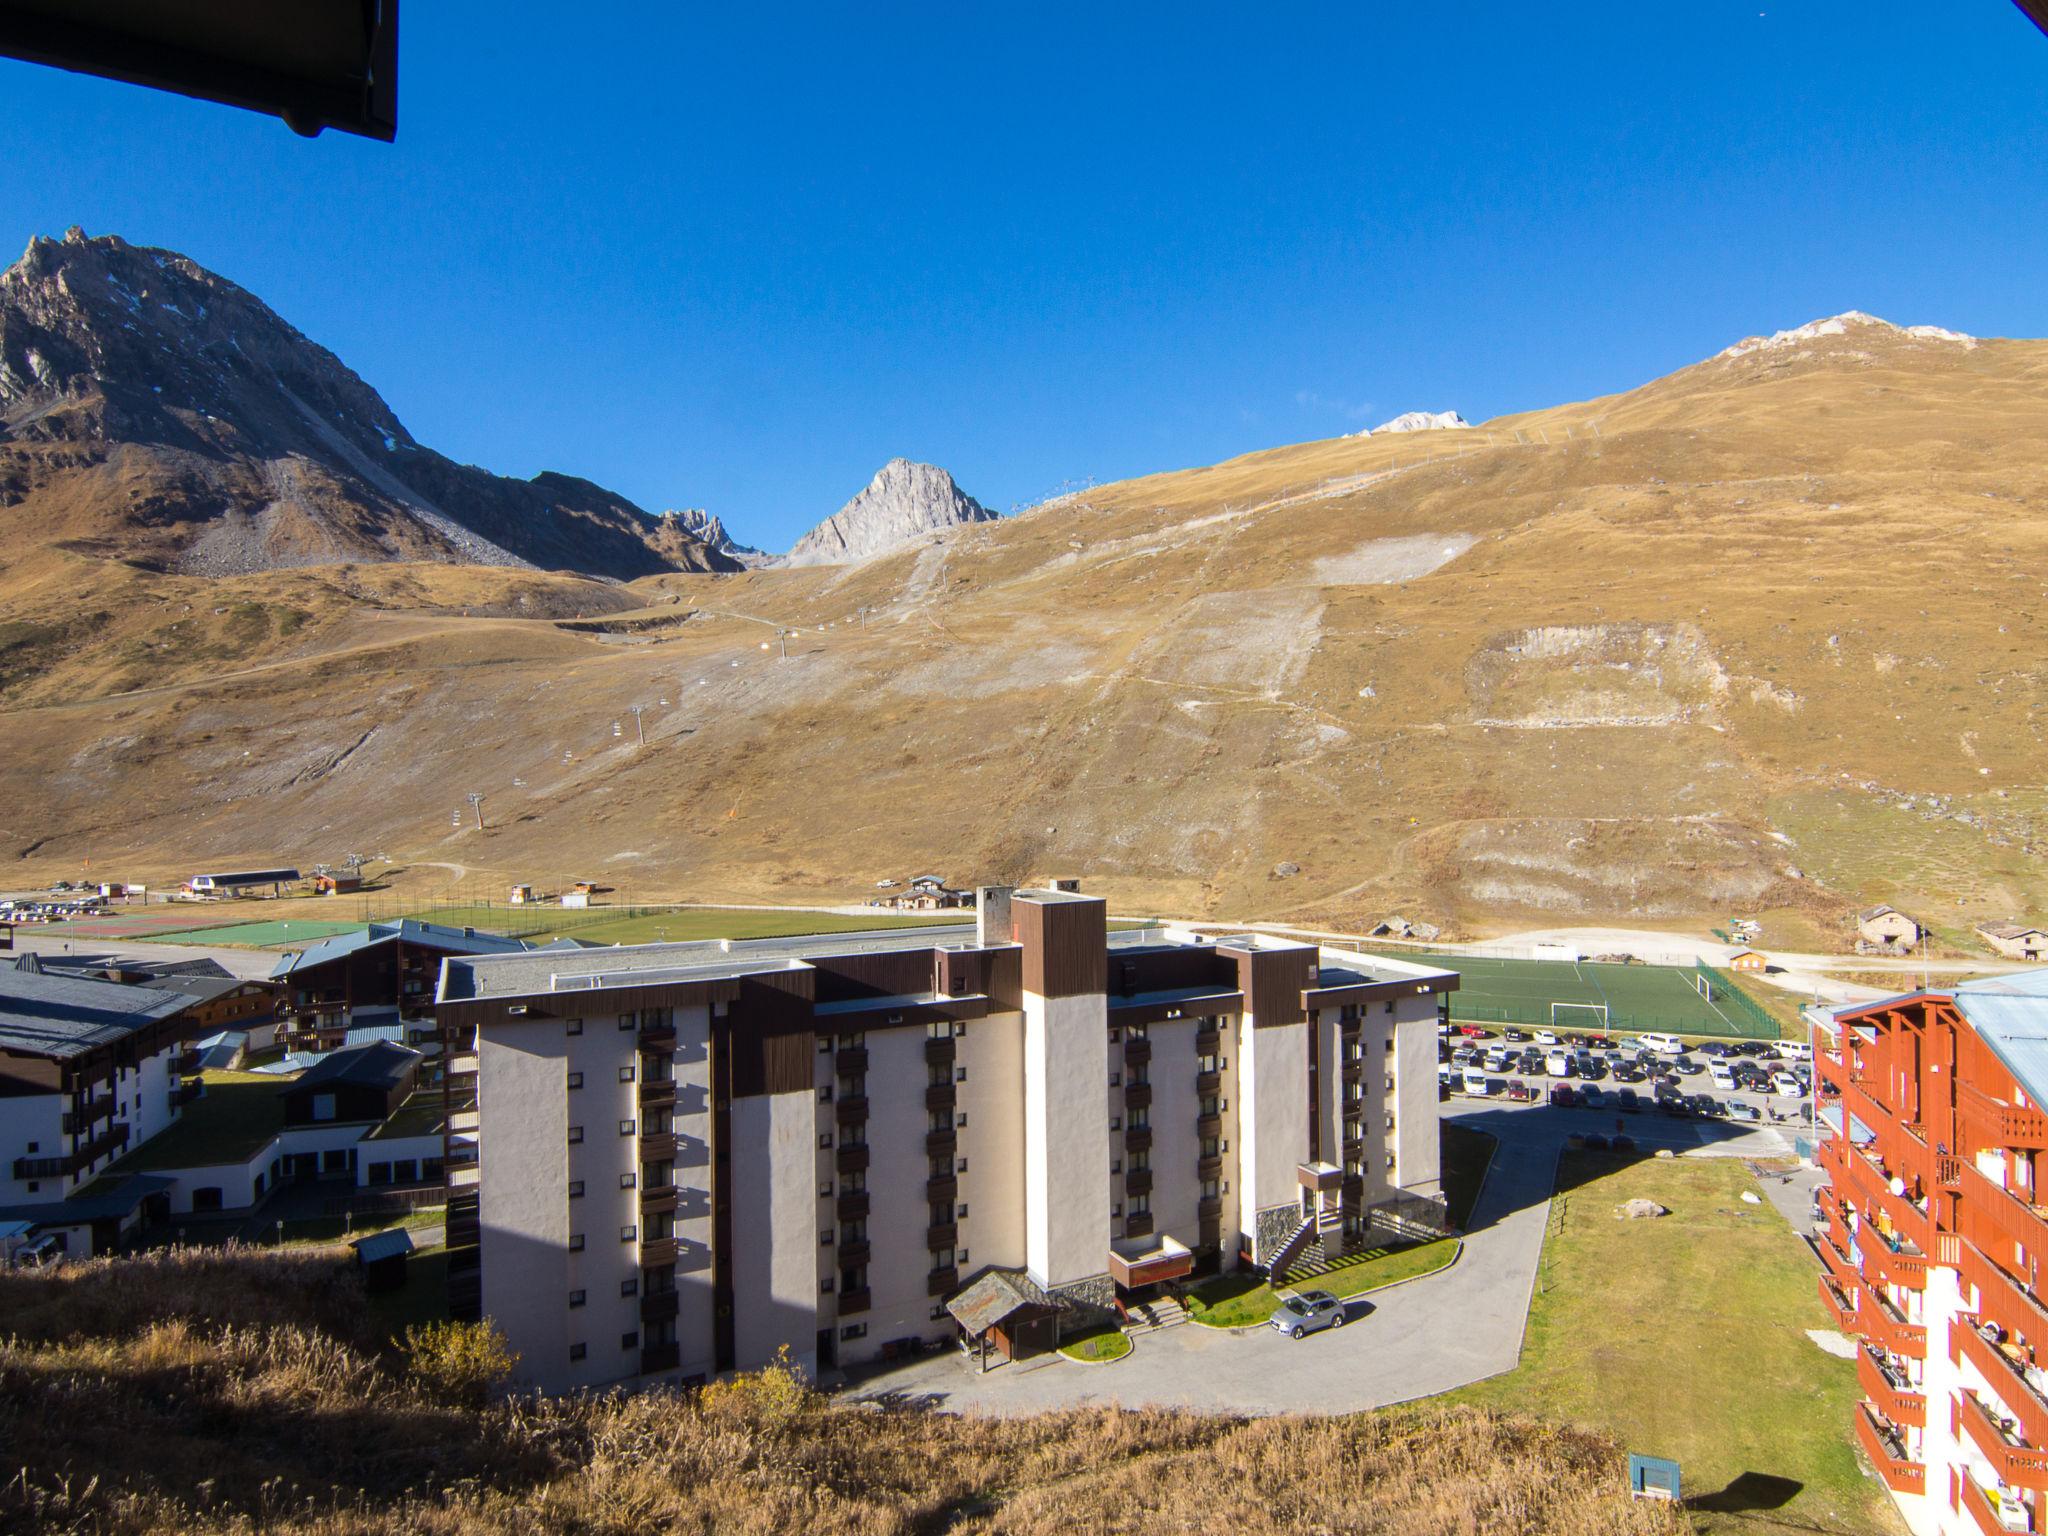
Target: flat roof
point(408, 930)
point(62, 1016)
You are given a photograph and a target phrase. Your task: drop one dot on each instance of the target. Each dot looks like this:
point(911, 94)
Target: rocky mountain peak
point(905, 501)
point(709, 529)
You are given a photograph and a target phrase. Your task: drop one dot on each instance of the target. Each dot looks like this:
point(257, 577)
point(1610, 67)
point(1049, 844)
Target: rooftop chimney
point(992, 923)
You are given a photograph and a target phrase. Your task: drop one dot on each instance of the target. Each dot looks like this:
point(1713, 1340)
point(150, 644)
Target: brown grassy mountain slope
point(153, 412)
point(1767, 633)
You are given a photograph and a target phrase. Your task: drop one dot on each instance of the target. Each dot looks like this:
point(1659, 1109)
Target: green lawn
point(1099, 1345)
point(239, 1113)
point(1244, 1300)
point(336, 1229)
point(1684, 1337)
point(419, 1115)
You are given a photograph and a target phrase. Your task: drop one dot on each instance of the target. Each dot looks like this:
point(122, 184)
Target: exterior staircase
point(1294, 1250)
point(1154, 1316)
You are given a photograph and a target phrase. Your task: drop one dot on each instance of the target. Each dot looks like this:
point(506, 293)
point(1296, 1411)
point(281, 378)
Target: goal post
point(1578, 1014)
point(1704, 985)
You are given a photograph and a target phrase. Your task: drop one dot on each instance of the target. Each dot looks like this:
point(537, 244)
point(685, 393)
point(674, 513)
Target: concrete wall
point(1415, 1146)
point(992, 1142)
point(525, 1164)
point(774, 1271)
point(1176, 1190)
point(1066, 1137)
point(899, 1215)
point(1273, 1112)
point(31, 1125)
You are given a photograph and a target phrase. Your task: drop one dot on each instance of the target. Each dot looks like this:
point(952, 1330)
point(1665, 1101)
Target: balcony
point(938, 1050)
point(657, 1146)
point(660, 1357)
point(1138, 1139)
point(852, 1110)
point(2001, 1297)
point(658, 1252)
point(1882, 1262)
point(186, 1062)
point(1895, 1399)
point(1208, 1040)
point(941, 1143)
point(660, 1306)
point(1137, 1096)
point(1881, 1323)
point(1139, 1225)
point(658, 1095)
point(1836, 1261)
point(1207, 1168)
point(1978, 1505)
point(461, 1064)
point(940, 1097)
point(112, 1139)
point(657, 1198)
point(1841, 1308)
point(1989, 1206)
point(1208, 1084)
point(1994, 1123)
point(657, 1037)
point(854, 1205)
point(1887, 1453)
point(1137, 1050)
point(2003, 1375)
point(1209, 1208)
point(942, 1191)
point(851, 1061)
point(1208, 1127)
point(1870, 1184)
point(1138, 1182)
point(944, 1234)
point(853, 1254)
point(852, 1158)
point(852, 1302)
point(941, 1282)
point(2011, 1458)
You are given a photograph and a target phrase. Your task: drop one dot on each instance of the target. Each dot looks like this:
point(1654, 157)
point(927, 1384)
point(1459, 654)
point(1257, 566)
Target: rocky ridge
point(904, 502)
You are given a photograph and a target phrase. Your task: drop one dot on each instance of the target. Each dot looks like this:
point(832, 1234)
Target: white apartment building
point(680, 1158)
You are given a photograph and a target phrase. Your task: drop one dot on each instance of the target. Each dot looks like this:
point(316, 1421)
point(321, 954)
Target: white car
point(1475, 1083)
point(1558, 1064)
point(1722, 1076)
point(1546, 1037)
point(1785, 1082)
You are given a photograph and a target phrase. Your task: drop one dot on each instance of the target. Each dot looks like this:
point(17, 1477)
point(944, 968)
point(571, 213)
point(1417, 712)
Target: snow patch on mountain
point(1842, 325)
point(1418, 421)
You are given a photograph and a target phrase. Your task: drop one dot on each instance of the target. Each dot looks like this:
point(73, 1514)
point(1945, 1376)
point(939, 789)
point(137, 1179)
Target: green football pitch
point(1637, 997)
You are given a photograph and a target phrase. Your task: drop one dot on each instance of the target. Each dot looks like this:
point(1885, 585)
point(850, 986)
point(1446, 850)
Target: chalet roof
point(44, 1013)
point(100, 1201)
point(2007, 930)
point(1871, 914)
point(409, 930)
point(995, 1298)
point(380, 1064)
point(382, 1245)
point(2010, 1014)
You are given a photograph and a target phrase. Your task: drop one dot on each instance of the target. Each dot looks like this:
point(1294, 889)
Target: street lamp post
point(640, 729)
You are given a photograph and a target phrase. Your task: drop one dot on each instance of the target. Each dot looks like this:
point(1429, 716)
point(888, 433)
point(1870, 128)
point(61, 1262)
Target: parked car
point(1546, 1037)
point(1713, 1050)
point(1532, 1062)
point(1628, 1101)
point(1563, 1095)
point(1663, 1045)
point(1462, 1056)
point(1558, 1064)
point(1598, 1042)
point(1786, 1083)
point(1513, 1034)
point(1628, 1072)
point(1686, 1066)
point(1742, 1109)
point(1793, 1050)
point(1592, 1098)
point(1707, 1107)
point(1474, 1082)
point(1519, 1091)
point(1309, 1312)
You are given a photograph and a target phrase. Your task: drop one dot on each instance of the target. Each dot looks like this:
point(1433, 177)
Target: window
point(825, 1142)
point(625, 1127)
point(939, 1314)
point(575, 1135)
point(825, 1286)
point(963, 1166)
point(575, 1242)
point(628, 1180)
point(575, 1189)
point(961, 1258)
point(1116, 1079)
point(572, 1026)
point(629, 1233)
point(576, 1298)
point(1116, 1165)
point(323, 1106)
point(963, 1213)
point(825, 1237)
point(625, 1074)
point(961, 1118)
point(628, 1021)
point(825, 1190)
point(1113, 1037)
point(825, 1094)
point(959, 1074)
point(629, 1287)
point(629, 1340)
point(853, 1331)
point(1116, 1122)
point(824, 1045)
point(577, 1351)
point(1139, 1205)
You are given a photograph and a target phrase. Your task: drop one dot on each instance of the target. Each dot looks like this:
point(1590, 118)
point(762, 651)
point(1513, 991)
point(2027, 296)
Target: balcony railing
point(1986, 1519)
point(1207, 1083)
point(938, 1050)
point(658, 1252)
point(1987, 1205)
point(1208, 1168)
point(657, 1198)
point(1137, 1050)
point(111, 1139)
point(657, 1146)
point(660, 1357)
point(657, 1037)
point(1888, 1455)
point(942, 1234)
point(852, 1110)
point(2000, 1296)
point(658, 1095)
point(854, 1205)
point(855, 1252)
point(2011, 1458)
point(939, 1096)
point(852, 1302)
point(1137, 1096)
point(1840, 1306)
point(1138, 1139)
point(660, 1306)
point(940, 1282)
point(1881, 1323)
point(1896, 1400)
point(942, 1191)
point(851, 1061)
point(1208, 1041)
point(1208, 1127)
point(2004, 1377)
point(1209, 1208)
point(1138, 1181)
point(852, 1159)
point(941, 1143)
point(1139, 1225)
point(1837, 1263)
point(1882, 1262)
point(1996, 1123)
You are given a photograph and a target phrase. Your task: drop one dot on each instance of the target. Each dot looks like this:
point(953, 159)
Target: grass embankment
point(237, 1115)
point(1098, 1347)
point(1684, 1337)
point(205, 1393)
point(1244, 1301)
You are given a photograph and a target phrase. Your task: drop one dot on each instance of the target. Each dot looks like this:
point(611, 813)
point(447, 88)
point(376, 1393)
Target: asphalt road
point(1414, 1340)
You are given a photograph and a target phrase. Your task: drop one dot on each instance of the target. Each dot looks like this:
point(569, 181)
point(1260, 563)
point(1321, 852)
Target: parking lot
point(1734, 1081)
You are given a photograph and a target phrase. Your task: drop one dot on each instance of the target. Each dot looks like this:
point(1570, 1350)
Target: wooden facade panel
point(1159, 970)
point(1064, 944)
point(883, 973)
point(1005, 983)
point(1273, 981)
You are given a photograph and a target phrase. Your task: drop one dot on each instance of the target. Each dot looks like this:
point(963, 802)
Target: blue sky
point(738, 261)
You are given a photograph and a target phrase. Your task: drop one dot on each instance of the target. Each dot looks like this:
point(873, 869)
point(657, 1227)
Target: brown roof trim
point(1176, 1010)
point(1375, 991)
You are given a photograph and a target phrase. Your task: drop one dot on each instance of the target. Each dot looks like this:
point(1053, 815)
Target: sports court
point(1670, 998)
point(277, 931)
point(147, 924)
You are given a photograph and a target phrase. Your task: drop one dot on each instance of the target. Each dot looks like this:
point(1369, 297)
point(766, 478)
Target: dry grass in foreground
point(217, 1392)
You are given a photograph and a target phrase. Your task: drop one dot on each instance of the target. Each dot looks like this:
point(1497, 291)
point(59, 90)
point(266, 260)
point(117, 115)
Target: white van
point(1475, 1082)
point(1558, 1064)
point(1663, 1045)
point(1793, 1050)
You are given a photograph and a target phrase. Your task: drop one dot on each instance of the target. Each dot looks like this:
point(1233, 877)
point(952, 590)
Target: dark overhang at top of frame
point(315, 63)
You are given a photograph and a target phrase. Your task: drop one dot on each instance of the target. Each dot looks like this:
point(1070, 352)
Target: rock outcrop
point(905, 501)
point(708, 529)
point(153, 411)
